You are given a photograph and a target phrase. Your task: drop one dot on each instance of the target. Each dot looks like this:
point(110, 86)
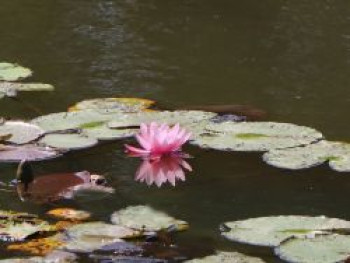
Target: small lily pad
point(255, 136)
point(122, 105)
point(320, 249)
point(13, 72)
point(102, 132)
point(69, 213)
point(26, 152)
point(68, 141)
point(337, 154)
point(91, 236)
point(21, 132)
point(272, 230)
point(146, 219)
point(226, 257)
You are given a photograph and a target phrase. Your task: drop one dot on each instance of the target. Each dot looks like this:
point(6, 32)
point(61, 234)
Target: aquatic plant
point(157, 140)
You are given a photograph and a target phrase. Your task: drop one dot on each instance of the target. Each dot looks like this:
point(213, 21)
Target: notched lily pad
point(13, 72)
point(320, 249)
point(272, 230)
point(226, 257)
point(255, 136)
point(337, 154)
point(68, 141)
point(122, 105)
point(146, 219)
point(21, 132)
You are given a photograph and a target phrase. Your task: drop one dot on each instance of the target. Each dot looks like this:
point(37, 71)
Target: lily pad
point(21, 132)
point(122, 105)
point(68, 141)
point(26, 152)
point(146, 219)
point(13, 72)
point(69, 214)
point(10, 88)
point(102, 132)
point(272, 230)
point(320, 249)
point(226, 257)
point(255, 136)
point(73, 120)
point(91, 236)
point(337, 154)
point(184, 118)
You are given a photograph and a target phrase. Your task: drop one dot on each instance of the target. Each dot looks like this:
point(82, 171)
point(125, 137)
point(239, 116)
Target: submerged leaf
point(272, 230)
point(226, 257)
point(337, 154)
point(255, 136)
point(146, 219)
point(320, 249)
point(13, 72)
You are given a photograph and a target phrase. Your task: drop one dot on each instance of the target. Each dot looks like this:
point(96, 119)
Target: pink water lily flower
point(158, 139)
point(168, 168)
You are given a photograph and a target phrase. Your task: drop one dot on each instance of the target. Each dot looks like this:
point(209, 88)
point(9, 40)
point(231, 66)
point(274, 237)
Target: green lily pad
point(68, 141)
point(272, 230)
point(337, 154)
point(91, 236)
point(146, 219)
point(226, 257)
point(27, 152)
point(122, 105)
point(102, 132)
point(254, 136)
point(320, 249)
point(184, 118)
point(13, 72)
point(73, 120)
point(21, 132)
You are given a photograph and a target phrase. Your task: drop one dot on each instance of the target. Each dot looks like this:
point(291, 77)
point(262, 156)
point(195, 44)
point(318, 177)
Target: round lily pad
point(68, 141)
point(26, 152)
point(169, 117)
point(116, 104)
point(13, 72)
point(21, 132)
point(337, 154)
point(321, 249)
point(255, 136)
point(226, 257)
point(147, 219)
point(91, 236)
point(73, 120)
point(272, 230)
point(102, 132)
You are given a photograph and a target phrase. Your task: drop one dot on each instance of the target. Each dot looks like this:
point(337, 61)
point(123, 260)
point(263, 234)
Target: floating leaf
point(122, 105)
point(320, 249)
point(68, 141)
point(147, 219)
point(272, 230)
point(227, 257)
point(40, 247)
point(13, 72)
point(184, 118)
point(11, 88)
point(26, 152)
point(21, 132)
point(255, 136)
point(55, 256)
point(69, 213)
point(337, 154)
point(102, 132)
point(91, 236)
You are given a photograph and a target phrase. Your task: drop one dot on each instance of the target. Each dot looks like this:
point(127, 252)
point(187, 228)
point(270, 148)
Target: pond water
point(289, 58)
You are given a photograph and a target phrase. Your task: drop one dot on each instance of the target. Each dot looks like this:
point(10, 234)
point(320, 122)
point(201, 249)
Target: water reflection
point(167, 168)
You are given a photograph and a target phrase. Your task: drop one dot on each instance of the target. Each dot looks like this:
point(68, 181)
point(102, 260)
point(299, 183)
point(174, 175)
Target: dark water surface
point(290, 58)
